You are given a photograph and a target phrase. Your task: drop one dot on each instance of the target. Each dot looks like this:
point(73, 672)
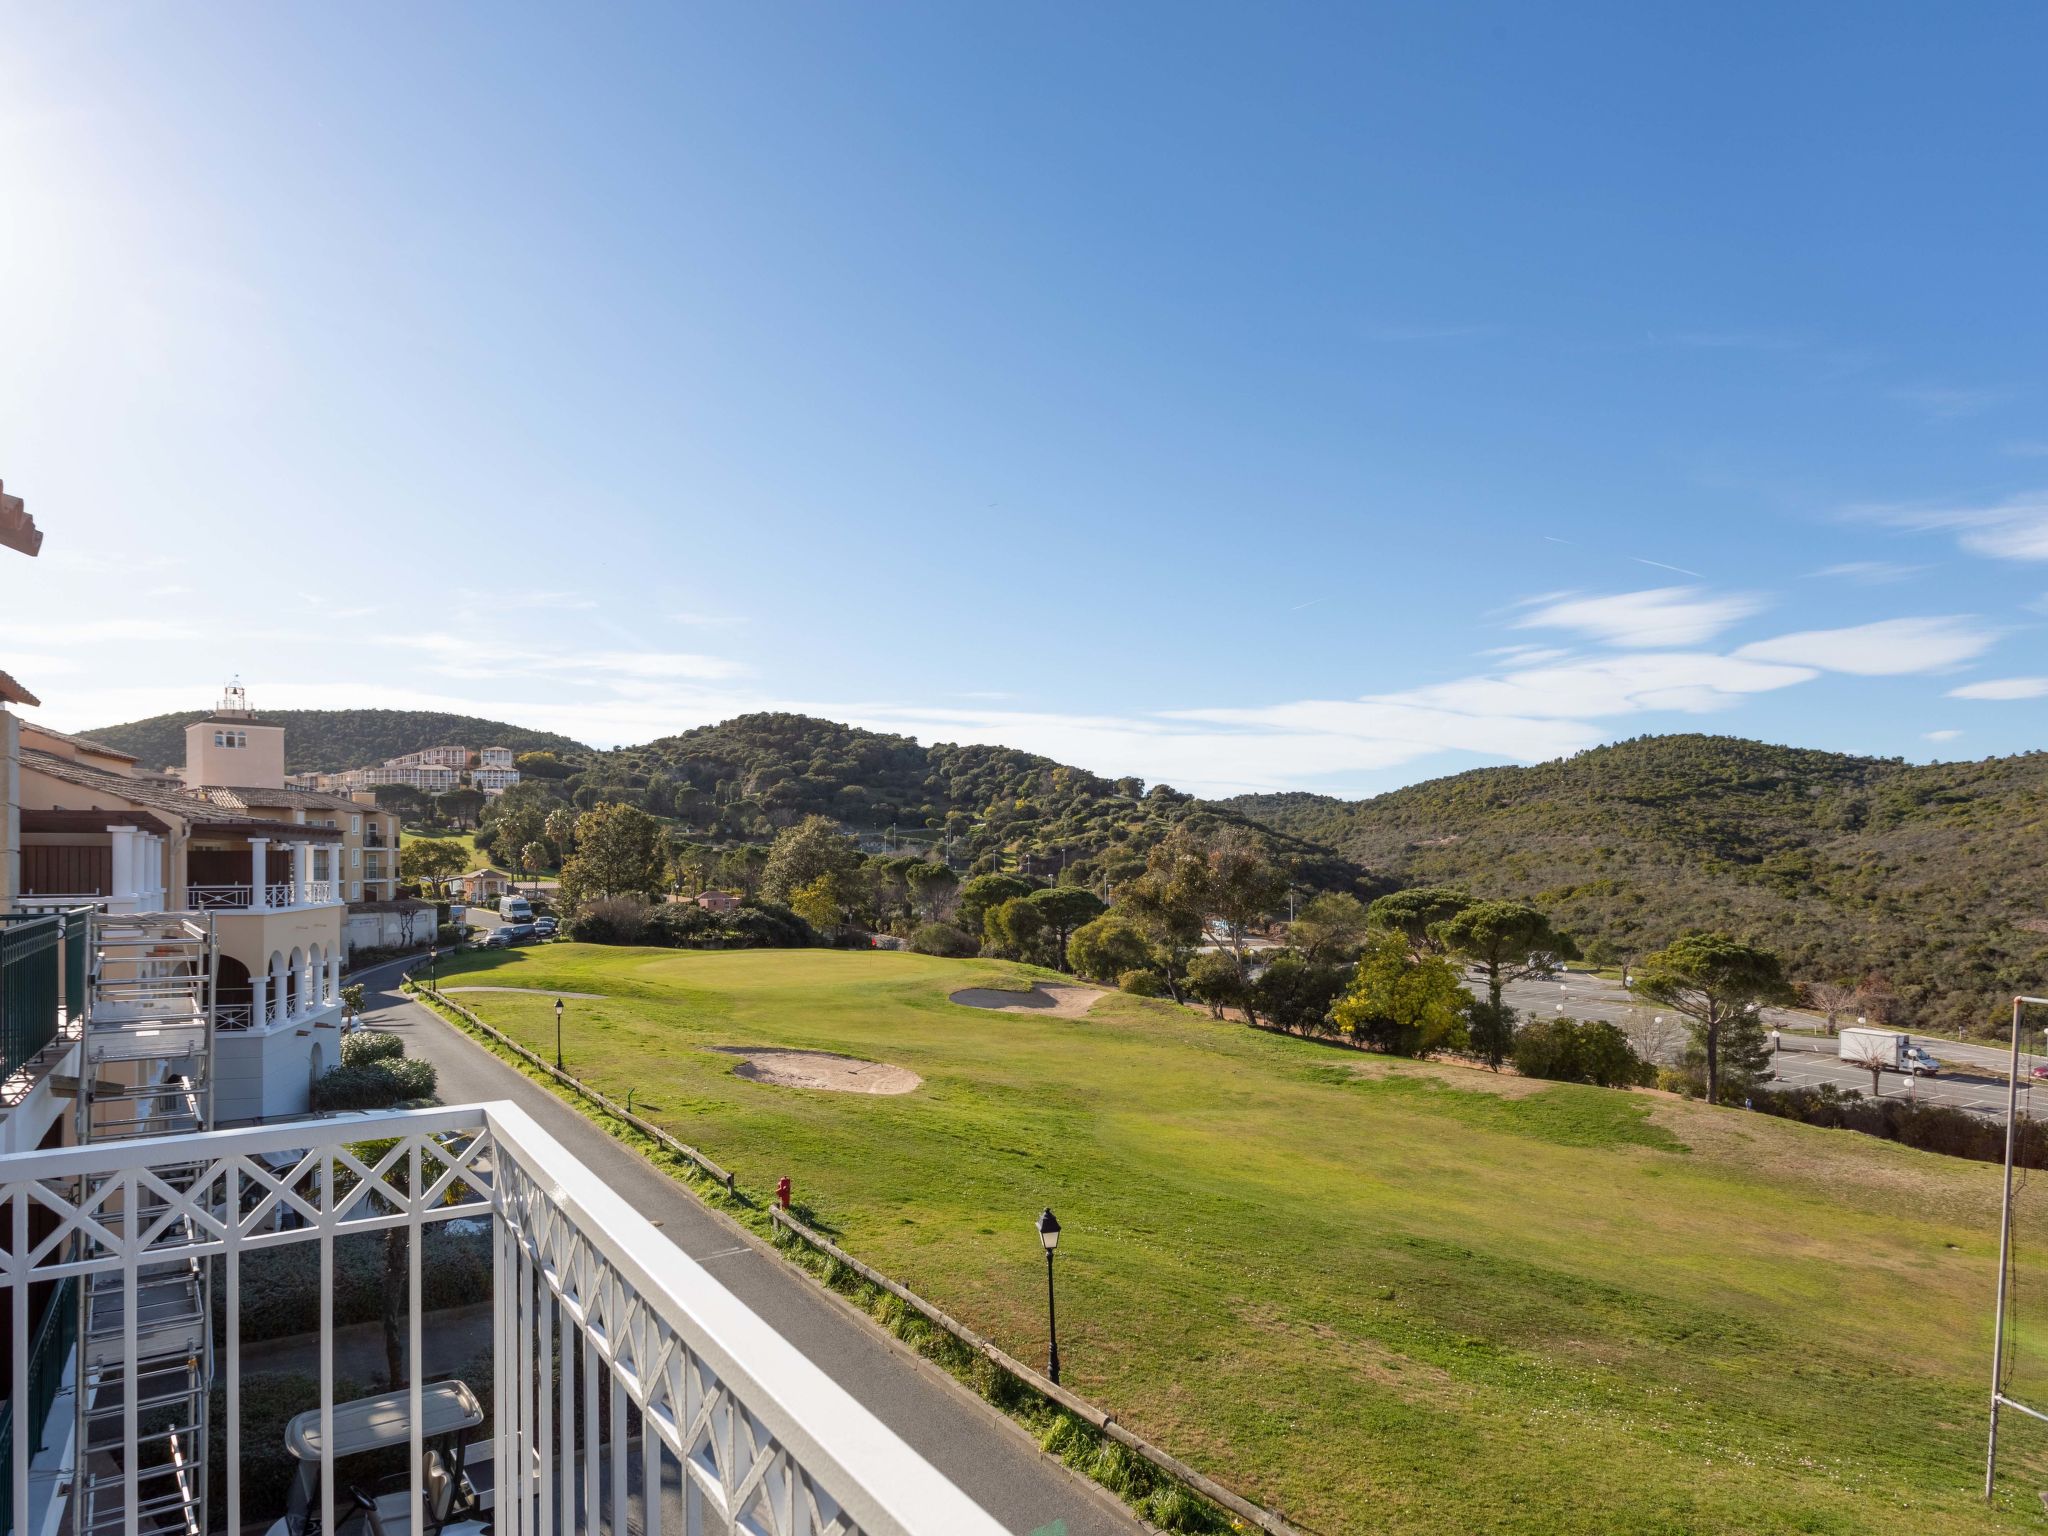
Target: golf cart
point(452, 1503)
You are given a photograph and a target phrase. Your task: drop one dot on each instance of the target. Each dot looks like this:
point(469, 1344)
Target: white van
point(515, 909)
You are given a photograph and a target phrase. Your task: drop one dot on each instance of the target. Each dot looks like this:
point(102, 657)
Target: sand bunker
point(821, 1070)
point(1061, 999)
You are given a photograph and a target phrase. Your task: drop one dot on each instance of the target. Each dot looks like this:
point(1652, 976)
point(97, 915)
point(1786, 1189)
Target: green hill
point(1927, 878)
point(328, 740)
point(745, 778)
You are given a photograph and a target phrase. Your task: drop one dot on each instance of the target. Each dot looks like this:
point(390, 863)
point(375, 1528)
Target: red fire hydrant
point(782, 1191)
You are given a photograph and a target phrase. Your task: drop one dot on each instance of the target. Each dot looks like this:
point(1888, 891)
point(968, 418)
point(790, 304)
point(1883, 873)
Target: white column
point(334, 976)
point(124, 865)
point(277, 984)
point(309, 985)
point(302, 857)
point(259, 873)
point(259, 999)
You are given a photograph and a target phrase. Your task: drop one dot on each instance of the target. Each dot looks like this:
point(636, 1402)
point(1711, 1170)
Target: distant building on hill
point(717, 901)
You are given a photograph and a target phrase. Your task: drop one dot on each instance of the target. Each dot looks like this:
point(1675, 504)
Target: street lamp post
point(558, 1034)
point(433, 964)
point(1049, 1234)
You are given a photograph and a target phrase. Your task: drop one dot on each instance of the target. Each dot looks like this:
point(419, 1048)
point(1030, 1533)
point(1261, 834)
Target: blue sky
point(1287, 397)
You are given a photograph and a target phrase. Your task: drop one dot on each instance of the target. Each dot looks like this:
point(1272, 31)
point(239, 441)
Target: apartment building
point(432, 770)
point(432, 757)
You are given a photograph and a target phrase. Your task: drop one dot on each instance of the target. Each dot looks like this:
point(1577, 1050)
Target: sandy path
point(1065, 1000)
point(819, 1069)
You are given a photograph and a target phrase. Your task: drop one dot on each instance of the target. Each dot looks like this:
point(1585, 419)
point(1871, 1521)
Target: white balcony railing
point(237, 898)
point(234, 1016)
point(707, 1401)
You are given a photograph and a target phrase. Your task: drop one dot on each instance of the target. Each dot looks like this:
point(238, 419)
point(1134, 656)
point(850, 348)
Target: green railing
point(49, 1353)
point(31, 985)
point(77, 960)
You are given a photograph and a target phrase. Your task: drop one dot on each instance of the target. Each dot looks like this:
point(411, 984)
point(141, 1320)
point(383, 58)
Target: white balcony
point(719, 1427)
point(277, 896)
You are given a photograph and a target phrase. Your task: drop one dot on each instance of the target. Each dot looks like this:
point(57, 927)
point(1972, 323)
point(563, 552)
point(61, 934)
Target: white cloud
point(705, 620)
point(1870, 573)
point(1888, 648)
point(2003, 688)
point(2013, 529)
point(1659, 617)
point(1941, 735)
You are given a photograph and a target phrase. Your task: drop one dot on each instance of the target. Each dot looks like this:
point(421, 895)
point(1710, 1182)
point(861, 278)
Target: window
point(231, 738)
point(356, 891)
point(355, 858)
point(355, 823)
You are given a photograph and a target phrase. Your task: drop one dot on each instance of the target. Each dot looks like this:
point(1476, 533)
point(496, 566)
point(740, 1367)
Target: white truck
point(1890, 1050)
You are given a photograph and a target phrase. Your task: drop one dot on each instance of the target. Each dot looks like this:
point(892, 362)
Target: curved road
point(985, 1454)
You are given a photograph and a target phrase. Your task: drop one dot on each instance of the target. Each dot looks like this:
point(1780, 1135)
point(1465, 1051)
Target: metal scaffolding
point(145, 1339)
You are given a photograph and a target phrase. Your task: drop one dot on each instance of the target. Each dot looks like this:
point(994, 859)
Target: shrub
point(1296, 995)
point(942, 939)
point(1107, 946)
point(1569, 1051)
point(1214, 979)
point(1690, 1079)
point(610, 920)
point(361, 1047)
point(1142, 983)
point(385, 1084)
point(280, 1289)
point(1929, 1127)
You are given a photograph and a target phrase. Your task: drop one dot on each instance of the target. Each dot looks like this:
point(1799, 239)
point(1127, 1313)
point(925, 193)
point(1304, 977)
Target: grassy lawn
point(1374, 1294)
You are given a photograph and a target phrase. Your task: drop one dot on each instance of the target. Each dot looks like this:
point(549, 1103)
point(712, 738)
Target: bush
point(1689, 1080)
point(1142, 984)
point(942, 939)
point(362, 1046)
point(1296, 995)
point(1105, 947)
point(280, 1290)
point(1569, 1051)
point(1929, 1127)
point(448, 935)
point(385, 1084)
point(610, 920)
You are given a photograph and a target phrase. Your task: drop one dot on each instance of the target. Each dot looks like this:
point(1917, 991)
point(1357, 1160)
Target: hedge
point(377, 1084)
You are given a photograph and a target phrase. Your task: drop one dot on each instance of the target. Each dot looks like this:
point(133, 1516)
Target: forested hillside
point(983, 807)
point(327, 740)
point(1928, 879)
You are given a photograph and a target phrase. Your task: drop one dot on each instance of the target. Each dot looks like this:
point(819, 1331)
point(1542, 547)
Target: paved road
point(985, 1454)
point(1974, 1078)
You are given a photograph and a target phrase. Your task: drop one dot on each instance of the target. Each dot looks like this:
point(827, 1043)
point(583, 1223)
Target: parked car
point(520, 933)
point(545, 927)
point(498, 938)
point(2039, 1072)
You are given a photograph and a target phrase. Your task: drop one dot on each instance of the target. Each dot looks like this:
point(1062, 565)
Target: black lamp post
point(433, 963)
point(1049, 1234)
point(558, 1034)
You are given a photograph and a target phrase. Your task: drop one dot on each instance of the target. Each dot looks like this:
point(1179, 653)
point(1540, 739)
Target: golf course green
point(1375, 1294)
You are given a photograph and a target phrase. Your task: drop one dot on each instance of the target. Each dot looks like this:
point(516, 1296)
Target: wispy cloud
point(1662, 616)
point(1940, 403)
point(1887, 648)
point(2027, 448)
point(1940, 735)
point(1869, 573)
point(2013, 529)
point(1660, 565)
point(2003, 688)
point(705, 620)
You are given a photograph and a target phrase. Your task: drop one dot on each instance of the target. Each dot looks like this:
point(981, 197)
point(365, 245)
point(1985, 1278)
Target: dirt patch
point(1061, 999)
point(819, 1070)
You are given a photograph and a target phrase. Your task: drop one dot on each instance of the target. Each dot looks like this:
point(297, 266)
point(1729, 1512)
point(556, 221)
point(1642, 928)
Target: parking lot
point(1973, 1076)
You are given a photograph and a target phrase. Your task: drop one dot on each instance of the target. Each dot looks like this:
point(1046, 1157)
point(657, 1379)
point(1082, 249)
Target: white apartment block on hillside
point(433, 771)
